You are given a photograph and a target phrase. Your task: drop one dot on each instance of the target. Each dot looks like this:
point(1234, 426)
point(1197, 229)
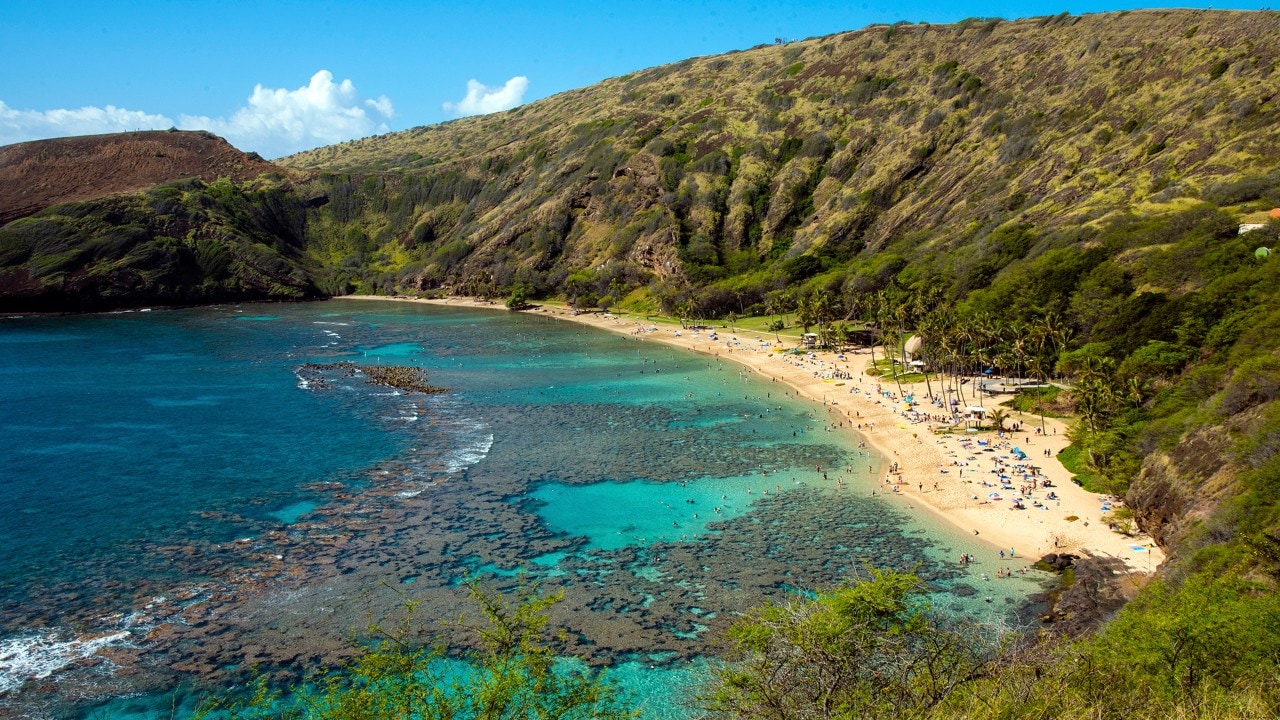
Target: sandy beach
point(967, 479)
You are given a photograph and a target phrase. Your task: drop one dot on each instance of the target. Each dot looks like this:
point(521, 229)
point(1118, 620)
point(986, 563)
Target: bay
point(186, 501)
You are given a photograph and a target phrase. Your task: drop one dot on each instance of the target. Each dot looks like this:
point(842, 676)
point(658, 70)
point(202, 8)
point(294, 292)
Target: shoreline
point(946, 476)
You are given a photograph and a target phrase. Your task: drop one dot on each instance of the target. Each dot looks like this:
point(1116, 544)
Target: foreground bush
point(875, 649)
point(514, 674)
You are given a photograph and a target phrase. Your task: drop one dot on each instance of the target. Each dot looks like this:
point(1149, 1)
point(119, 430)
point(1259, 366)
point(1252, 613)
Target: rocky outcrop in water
point(318, 376)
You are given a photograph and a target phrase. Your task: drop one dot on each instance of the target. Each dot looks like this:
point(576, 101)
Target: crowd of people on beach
point(966, 480)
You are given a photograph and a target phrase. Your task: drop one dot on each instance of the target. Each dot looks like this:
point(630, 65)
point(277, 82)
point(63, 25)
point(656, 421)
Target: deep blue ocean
point(191, 497)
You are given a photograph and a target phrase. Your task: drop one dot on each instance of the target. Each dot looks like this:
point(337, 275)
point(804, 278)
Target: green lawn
point(1075, 461)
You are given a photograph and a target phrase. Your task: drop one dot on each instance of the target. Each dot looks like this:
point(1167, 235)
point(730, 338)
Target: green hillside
point(1054, 197)
point(179, 243)
point(833, 153)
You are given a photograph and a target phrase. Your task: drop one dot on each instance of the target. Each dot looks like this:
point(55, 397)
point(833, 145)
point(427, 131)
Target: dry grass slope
point(852, 142)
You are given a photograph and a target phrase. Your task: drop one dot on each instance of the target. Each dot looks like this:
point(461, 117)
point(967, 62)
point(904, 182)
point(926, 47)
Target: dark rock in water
point(1057, 562)
point(963, 590)
point(1094, 596)
point(319, 376)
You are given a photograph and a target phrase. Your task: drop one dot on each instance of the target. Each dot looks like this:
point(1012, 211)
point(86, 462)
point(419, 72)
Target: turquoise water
point(184, 501)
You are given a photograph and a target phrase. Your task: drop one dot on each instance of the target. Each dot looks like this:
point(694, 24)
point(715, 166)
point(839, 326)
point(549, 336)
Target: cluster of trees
point(876, 649)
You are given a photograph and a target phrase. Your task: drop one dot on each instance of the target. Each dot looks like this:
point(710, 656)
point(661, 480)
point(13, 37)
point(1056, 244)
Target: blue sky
point(277, 77)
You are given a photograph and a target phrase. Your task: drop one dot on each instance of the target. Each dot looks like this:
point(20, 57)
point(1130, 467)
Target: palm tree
point(1020, 346)
point(839, 334)
point(986, 334)
point(930, 333)
point(1135, 391)
point(1096, 391)
point(776, 303)
point(895, 315)
point(1046, 339)
point(805, 312)
point(824, 310)
point(1040, 363)
point(948, 340)
point(966, 334)
point(998, 416)
point(684, 309)
point(874, 305)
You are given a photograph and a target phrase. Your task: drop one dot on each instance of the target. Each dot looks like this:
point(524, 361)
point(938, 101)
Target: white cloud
point(22, 125)
point(275, 122)
point(279, 121)
point(481, 100)
point(382, 105)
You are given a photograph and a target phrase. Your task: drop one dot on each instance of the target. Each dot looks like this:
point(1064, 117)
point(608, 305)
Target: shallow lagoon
point(171, 474)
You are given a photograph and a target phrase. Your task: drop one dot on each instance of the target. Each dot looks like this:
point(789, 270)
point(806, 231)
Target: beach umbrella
point(994, 496)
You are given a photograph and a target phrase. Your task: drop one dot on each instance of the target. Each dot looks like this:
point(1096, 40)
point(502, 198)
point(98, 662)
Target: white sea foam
point(472, 453)
point(37, 656)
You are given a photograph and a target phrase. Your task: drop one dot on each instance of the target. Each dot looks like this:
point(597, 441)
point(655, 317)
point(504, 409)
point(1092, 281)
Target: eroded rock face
point(1174, 490)
point(1158, 505)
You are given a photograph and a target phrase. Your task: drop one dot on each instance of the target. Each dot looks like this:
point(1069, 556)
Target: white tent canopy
point(912, 346)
